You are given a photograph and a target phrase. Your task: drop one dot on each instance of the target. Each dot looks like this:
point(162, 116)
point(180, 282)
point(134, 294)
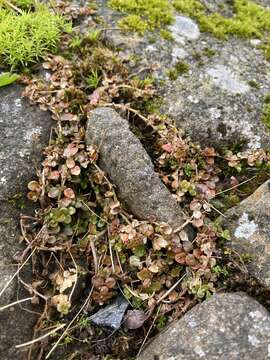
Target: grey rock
point(249, 227)
point(24, 129)
point(112, 315)
point(184, 28)
point(226, 326)
point(214, 102)
point(129, 167)
point(178, 54)
point(224, 78)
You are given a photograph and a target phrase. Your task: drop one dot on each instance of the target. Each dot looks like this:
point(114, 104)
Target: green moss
point(254, 84)
point(133, 23)
point(249, 19)
point(165, 34)
point(266, 48)
point(180, 68)
point(191, 8)
point(266, 112)
point(143, 15)
point(209, 52)
point(26, 37)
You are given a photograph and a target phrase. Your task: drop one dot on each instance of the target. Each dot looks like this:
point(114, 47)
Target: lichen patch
point(246, 228)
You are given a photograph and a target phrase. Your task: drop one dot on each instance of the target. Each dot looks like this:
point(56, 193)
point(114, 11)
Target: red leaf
point(69, 193)
point(167, 147)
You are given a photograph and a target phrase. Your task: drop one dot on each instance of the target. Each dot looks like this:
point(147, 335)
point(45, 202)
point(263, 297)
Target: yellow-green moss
point(142, 15)
point(166, 34)
point(249, 19)
point(134, 23)
point(266, 111)
point(26, 37)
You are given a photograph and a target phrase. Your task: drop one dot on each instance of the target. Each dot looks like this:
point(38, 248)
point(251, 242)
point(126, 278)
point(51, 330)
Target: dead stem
point(69, 325)
point(16, 273)
point(171, 289)
point(15, 303)
point(214, 208)
point(41, 337)
point(149, 330)
point(75, 283)
point(13, 7)
point(236, 186)
point(111, 252)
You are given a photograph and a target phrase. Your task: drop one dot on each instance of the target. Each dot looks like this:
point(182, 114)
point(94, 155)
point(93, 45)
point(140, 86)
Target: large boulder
point(24, 130)
point(219, 100)
point(249, 228)
point(227, 326)
point(129, 167)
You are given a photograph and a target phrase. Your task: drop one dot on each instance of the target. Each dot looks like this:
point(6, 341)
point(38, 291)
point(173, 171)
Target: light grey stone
point(112, 315)
point(178, 54)
point(224, 327)
point(184, 27)
point(224, 78)
point(249, 227)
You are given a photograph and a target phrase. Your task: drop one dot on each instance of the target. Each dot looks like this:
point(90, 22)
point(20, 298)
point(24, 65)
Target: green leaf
point(139, 251)
point(7, 78)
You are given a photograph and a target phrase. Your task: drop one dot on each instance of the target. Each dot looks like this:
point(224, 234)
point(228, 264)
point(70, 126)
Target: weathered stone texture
point(227, 326)
point(24, 130)
point(129, 167)
point(249, 227)
point(219, 100)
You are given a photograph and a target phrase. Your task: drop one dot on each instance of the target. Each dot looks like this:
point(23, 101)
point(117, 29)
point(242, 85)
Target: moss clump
point(143, 15)
point(134, 23)
point(26, 37)
point(254, 84)
point(266, 49)
point(249, 20)
point(166, 35)
point(209, 52)
point(266, 112)
point(180, 68)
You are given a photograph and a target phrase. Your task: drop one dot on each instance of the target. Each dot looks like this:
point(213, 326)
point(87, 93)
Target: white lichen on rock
point(224, 78)
point(246, 228)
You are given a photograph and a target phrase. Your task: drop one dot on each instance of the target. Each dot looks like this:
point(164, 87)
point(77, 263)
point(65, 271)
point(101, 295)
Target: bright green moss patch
point(26, 37)
point(249, 20)
point(266, 111)
point(143, 15)
point(166, 34)
point(134, 23)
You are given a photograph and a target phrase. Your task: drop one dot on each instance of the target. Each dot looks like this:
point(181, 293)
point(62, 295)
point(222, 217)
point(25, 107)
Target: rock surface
point(227, 326)
point(24, 130)
point(219, 100)
point(249, 227)
point(128, 165)
point(112, 315)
